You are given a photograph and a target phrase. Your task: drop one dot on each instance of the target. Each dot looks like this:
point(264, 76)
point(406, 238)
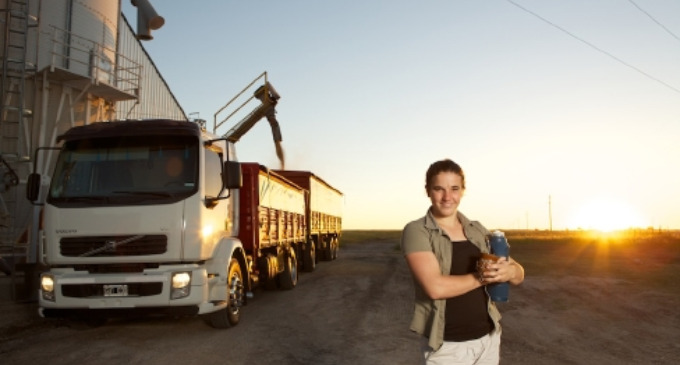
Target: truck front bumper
point(113, 293)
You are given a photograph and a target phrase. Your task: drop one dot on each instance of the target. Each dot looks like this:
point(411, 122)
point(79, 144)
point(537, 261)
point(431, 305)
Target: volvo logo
point(110, 245)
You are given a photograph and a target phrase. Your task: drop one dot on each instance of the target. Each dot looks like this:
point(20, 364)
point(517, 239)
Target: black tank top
point(467, 317)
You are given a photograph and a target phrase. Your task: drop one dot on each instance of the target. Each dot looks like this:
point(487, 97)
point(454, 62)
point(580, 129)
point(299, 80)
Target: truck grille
point(94, 246)
point(116, 268)
point(97, 290)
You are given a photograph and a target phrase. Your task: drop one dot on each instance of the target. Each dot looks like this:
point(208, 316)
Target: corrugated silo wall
point(53, 14)
point(155, 98)
point(96, 20)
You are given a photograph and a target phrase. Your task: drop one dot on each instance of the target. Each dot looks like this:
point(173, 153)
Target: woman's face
point(445, 192)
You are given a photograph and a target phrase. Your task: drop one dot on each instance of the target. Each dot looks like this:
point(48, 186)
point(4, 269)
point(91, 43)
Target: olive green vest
point(429, 315)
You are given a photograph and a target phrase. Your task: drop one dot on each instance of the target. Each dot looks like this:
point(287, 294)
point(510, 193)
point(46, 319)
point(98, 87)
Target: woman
point(453, 313)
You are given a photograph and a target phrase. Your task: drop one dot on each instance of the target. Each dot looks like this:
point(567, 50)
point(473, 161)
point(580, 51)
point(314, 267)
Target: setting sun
point(607, 215)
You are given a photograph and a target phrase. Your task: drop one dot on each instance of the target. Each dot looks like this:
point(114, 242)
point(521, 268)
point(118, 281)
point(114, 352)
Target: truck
point(159, 217)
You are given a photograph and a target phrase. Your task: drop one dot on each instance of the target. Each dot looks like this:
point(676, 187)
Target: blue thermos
point(499, 292)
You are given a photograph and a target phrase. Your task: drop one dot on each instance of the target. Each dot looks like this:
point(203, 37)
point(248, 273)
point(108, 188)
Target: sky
point(564, 114)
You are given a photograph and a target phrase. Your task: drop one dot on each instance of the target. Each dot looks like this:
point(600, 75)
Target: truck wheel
point(289, 277)
point(269, 278)
point(230, 316)
point(328, 249)
point(335, 246)
point(309, 256)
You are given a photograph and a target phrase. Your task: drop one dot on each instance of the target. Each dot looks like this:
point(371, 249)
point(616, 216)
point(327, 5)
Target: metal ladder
point(15, 23)
point(15, 69)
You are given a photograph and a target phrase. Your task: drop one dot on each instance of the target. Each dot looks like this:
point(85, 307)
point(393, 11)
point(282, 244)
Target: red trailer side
point(272, 224)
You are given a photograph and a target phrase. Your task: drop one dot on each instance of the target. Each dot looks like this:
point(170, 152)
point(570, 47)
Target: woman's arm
point(425, 269)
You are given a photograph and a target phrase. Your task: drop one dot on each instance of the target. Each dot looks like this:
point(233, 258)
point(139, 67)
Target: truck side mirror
point(33, 187)
point(231, 175)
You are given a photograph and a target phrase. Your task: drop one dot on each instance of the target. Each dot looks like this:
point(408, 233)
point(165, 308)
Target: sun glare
point(607, 215)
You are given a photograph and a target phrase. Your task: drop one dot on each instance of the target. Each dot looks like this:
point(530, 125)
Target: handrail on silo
point(93, 60)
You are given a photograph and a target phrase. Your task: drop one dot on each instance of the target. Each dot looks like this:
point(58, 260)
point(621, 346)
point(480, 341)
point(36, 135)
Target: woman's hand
point(503, 270)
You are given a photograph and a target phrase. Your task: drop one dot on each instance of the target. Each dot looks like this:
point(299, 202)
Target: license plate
point(115, 290)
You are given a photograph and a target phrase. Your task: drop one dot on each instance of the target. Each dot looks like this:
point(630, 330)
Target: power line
point(654, 20)
point(595, 47)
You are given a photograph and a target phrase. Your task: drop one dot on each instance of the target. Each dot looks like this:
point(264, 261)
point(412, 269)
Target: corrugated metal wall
point(155, 98)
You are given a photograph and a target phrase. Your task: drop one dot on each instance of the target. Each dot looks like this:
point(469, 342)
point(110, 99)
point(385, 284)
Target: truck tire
point(327, 248)
point(230, 316)
point(309, 256)
point(4, 267)
point(269, 278)
point(335, 246)
point(289, 277)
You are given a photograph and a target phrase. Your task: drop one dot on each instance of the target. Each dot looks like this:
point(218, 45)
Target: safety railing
point(236, 107)
point(88, 58)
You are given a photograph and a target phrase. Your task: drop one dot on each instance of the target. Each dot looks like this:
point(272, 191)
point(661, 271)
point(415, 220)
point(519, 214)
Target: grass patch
point(641, 257)
point(359, 236)
point(652, 259)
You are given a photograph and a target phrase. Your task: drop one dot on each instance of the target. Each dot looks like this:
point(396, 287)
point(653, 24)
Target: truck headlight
point(181, 285)
point(47, 287)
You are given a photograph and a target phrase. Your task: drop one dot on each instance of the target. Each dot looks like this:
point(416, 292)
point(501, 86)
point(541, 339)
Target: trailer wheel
point(309, 256)
point(335, 246)
point(289, 277)
point(230, 315)
point(327, 248)
point(269, 277)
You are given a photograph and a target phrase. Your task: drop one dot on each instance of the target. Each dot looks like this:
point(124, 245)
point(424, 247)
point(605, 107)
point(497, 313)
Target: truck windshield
point(121, 171)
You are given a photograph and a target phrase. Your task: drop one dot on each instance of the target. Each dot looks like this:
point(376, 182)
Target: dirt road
point(356, 310)
point(350, 311)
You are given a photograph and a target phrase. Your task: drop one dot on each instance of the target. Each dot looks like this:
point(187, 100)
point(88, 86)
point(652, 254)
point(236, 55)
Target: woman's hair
point(444, 165)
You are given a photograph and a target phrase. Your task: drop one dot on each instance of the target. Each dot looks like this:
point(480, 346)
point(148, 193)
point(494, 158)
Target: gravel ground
point(356, 310)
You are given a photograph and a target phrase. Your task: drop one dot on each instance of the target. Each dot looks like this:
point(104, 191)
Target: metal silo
point(64, 63)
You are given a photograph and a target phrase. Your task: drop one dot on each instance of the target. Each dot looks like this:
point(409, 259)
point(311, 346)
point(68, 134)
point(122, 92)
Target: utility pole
point(527, 219)
point(550, 211)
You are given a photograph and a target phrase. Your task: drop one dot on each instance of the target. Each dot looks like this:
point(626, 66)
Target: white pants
point(482, 351)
